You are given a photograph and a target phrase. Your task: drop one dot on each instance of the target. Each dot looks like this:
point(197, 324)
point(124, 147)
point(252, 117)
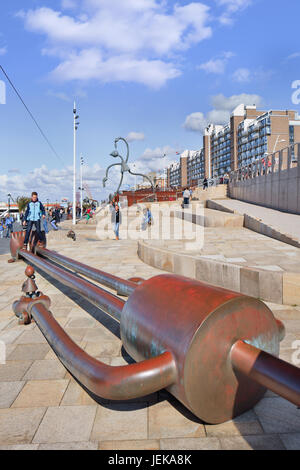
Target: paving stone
point(9, 336)
point(261, 442)
point(45, 370)
point(41, 393)
point(291, 441)
point(29, 352)
point(190, 443)
point(66, 424)
point(75, 395)
point(168, 421)
point(31, 337)
point(20, 447)
point(104, 348)
point(13, 370)
point(277, 415)
point(69, 446)
point(245, 424)
point(117, 420)
point(8, 392)
point(129, 445)
point(18, 426)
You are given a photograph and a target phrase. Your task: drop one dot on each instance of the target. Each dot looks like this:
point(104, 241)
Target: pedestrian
point(186, 197)
point(1, 229)
point(116, 219)
point(88, 215)
point(54, 219)
point(205, 184)
point(9, 225)
point(34, 212)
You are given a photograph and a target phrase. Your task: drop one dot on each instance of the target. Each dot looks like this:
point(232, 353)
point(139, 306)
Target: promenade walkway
point(282, 221)
point(42, 406)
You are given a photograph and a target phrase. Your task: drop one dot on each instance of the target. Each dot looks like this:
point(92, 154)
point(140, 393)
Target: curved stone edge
point(270, 286)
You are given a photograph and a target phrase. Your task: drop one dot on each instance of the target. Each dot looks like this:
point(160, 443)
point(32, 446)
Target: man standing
point(9, 225)
point(34, 212)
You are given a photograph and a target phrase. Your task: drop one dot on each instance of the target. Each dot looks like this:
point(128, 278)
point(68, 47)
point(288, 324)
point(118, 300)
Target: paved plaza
point(43, 407)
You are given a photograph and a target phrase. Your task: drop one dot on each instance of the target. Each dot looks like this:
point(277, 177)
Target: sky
point(153, 71)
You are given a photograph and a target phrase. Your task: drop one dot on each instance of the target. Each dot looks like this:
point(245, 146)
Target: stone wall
point(279, 190)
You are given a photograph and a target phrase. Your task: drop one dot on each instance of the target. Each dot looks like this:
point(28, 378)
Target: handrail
point(259, 162)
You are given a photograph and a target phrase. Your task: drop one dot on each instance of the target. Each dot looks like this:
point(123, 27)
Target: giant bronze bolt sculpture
point(213, 349)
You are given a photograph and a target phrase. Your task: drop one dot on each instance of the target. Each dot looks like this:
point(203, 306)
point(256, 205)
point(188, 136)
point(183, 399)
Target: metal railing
point(281, 160)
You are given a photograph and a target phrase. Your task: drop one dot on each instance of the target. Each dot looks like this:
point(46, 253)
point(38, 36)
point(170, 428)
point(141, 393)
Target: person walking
point(205, 184)
point(1, 229)
point(116, 220)
point(55, 219)
point(9, 225)
point(34, 212)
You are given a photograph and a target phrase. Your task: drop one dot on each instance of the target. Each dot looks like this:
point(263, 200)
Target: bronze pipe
point(267, 370)
point(122, 286)
point(113, 383)
point(110, 303)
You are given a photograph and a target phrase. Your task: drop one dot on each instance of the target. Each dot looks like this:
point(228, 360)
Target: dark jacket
point(116, 217)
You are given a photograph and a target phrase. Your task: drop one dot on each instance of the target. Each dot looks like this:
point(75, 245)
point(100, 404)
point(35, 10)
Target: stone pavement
point(43, 407)
point(282, 221)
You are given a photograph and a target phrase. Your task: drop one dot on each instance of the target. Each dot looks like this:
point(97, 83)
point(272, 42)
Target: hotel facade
point(249, 136)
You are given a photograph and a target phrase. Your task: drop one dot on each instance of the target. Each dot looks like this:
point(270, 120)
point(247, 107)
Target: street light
point(76, 124)
point(9, 197)
point(81, 187)
point(278, 142)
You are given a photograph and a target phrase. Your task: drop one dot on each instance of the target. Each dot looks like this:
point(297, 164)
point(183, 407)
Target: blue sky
point(157, 71)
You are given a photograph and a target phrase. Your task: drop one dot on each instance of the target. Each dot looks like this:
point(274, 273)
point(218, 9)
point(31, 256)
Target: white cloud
point(158, 153)
point(196, 122)
point(53, 184)
point(155, 159)
point(229, 103)
point(223, 106)
point(59, 94)
point(235, 5)
point(232, 7)
point(89, 64)
point(133, 136)
point(244, 75)
point(118, 40)
point(293, 56)
point(216, 65)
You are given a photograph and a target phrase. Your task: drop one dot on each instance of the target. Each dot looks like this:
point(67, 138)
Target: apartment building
point(250, 135)
point(189, 171)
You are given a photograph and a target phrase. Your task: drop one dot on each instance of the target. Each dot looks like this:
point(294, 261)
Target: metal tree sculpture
point(124, 165)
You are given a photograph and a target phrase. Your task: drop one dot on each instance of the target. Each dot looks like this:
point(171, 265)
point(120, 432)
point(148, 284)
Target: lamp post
point(81, 187)
point(76, 124)
point(8, 200)
point(278, 142)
